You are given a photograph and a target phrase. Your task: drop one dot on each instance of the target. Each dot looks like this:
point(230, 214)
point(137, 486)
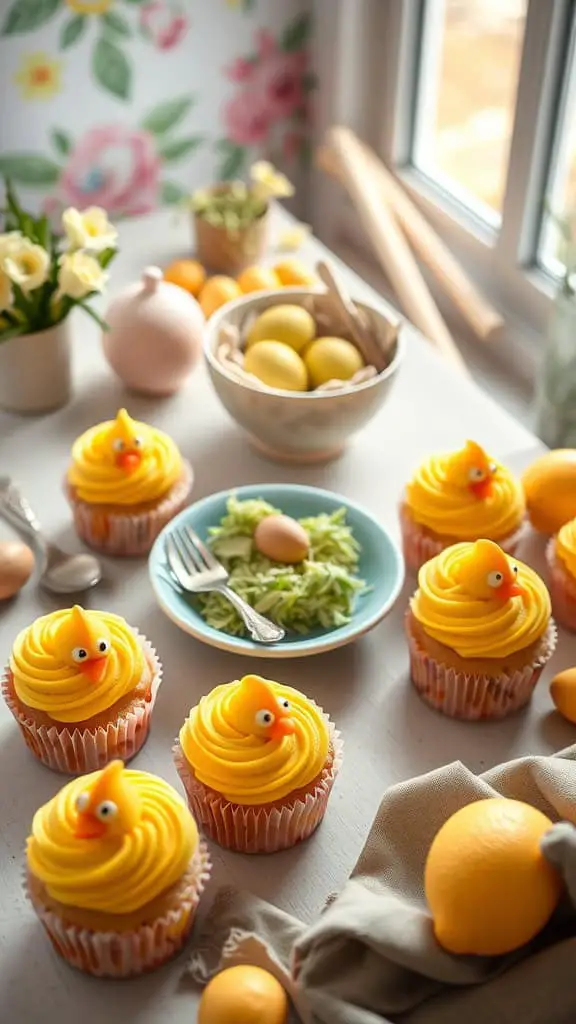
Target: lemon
point(293, 271)
point(488, 885)
point(257, 279)
point(332, 359)
point(276, 365)
point(217, 292)
point(292, 325)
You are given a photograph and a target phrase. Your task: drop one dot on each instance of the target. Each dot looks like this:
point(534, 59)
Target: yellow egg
point(293, 271)
point(293, 325)
point(243, 995)
point(276, 365)
point(550, 489)
point(282, 539)
point(332, 359)
point(563, 693)
point(257, 279)
point(16, 567)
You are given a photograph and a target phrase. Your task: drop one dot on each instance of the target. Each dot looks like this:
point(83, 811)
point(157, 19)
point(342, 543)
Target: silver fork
point(198, 571)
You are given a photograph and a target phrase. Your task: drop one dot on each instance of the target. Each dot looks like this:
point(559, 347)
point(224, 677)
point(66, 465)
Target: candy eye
point(82, 801)
point(118, 444)
point(515, 570)
point(264, 717)
point(79, 654)
point(476, 474)
point(492, 468)
point(284, 704)
point(103, 646)
point(137, 442)
point(106, 810)
point(495, 579)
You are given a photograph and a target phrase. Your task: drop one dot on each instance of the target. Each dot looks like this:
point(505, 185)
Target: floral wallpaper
point(130, 104)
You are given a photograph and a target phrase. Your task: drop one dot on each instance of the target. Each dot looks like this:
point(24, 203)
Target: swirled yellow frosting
point(458, 604)
point(120, 871)
point(123, 462)
point(465, 495)
point(47, 676)
point(566, 546)
point(251, 767)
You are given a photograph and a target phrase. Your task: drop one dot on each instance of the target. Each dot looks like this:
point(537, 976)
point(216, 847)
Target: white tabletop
point(389, 734)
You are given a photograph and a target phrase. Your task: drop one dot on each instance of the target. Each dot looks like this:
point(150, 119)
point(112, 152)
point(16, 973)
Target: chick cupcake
point(115, 869)
point(561, 557)
point(82, 686)
point(463, 495)
point(125, 482)
point(479, 631)
point(258, 761)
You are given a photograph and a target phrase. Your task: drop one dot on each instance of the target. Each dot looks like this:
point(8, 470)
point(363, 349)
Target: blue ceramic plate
point(381, 566)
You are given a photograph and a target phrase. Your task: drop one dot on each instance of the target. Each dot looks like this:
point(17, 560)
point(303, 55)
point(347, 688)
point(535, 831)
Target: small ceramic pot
point(36, 371)
point(229, 252)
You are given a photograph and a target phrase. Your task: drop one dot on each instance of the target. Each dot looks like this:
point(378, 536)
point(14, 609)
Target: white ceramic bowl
point(287, 425)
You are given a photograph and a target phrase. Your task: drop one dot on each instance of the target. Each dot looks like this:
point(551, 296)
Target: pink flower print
point(265, 43)
point(240, 70)
point(246, 118)
point(280, 79)
point(165, 24)
point(114, 167)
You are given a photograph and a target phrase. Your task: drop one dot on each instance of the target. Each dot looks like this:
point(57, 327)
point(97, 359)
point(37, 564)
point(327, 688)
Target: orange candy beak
point(282, 727)
point(508, 590)
point(88, 826)
point(94, 668)
point(482, 489)
point(128, 461)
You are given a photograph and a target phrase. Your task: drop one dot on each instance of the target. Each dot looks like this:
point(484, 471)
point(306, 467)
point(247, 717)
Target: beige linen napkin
point(372, 956)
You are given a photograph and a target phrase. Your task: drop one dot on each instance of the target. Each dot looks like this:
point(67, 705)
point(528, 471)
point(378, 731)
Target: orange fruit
point(550, 489)
point(258, 279)
point(217, 292)
point(488, 885)
point(243, 995)
point(294, 272)
point(563, 693)
point(187, 274)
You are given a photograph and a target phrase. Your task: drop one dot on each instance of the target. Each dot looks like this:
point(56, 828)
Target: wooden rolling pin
point(482, 318)
point(390, 244)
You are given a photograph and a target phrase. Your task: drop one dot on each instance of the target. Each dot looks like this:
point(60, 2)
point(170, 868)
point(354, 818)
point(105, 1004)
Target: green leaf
point(13, 332)
point(172, 151)
point(73, 30)
point(111, 68)
point(305, 153)
point(136, 1)
point(26, 15)
point(106, 256)
point(92, 312)
point(61, 141)
point(248, 5)
point(116, 23)
point(296, 33)
point(43, 232)
point(171, 193)
point(232, 161)
point(166, 115)
point(29, 169)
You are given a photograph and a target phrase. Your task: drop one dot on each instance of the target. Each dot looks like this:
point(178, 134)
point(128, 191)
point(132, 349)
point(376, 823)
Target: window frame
point(367, 49)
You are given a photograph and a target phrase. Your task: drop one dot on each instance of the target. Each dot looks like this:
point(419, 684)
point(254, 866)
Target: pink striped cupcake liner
point(75, 750)
point(124, 954)
point(562, 588)
point(124, 534)
point(474, 696)
point(258, 829)
point(419, 546)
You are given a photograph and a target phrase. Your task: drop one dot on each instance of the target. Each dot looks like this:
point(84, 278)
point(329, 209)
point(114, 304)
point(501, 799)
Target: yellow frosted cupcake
point(479, 631)
point(125, 482)
point(258, 761)
point(115, 871)
point(82, 686)
point(561, 556)
point(464, 495)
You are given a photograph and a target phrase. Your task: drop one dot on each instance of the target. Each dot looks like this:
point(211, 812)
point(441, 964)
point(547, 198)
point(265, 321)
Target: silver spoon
point(59, 572)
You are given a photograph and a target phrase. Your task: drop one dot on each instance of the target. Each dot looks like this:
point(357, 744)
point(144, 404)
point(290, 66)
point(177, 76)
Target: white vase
point(35, 370)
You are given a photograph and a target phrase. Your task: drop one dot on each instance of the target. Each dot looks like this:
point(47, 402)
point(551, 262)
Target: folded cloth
point(372, 956)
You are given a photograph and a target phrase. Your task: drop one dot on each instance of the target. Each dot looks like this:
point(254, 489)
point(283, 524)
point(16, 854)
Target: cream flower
point(79, 275)
point(89, 229)
point(6, 296)
point(25, 263)
point(8, 241)
point(269, 181)
point(293, 238)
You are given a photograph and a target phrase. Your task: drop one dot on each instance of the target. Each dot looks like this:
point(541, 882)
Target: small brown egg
point(16, 567)
point(282, 539)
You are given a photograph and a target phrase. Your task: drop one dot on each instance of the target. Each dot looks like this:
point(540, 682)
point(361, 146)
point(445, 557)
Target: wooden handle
point(367, 345)
point(483, 319)
point(390, 245)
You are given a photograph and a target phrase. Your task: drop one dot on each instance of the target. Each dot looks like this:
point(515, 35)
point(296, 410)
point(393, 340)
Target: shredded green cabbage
point(319, 592)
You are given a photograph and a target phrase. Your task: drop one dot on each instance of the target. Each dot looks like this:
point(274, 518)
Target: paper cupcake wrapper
point(76, 751)
point(562, 589)
point(474, 696)
point(122, 954)
point(419, 547)
point(248, 829)
point(125, 534)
